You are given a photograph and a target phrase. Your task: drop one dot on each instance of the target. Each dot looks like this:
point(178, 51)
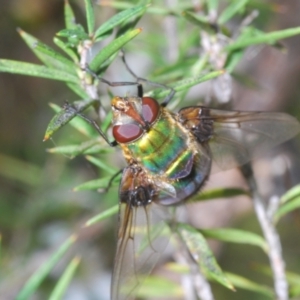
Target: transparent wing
point(236, 137)
point(142, 237)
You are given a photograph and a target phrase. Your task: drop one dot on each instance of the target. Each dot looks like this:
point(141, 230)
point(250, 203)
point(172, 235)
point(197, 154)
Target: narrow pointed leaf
point(36, 279)
point(47, 55)
point(177, 268)
point(212, 5)
point(156, 10)
point(102, 165)
point(70, 20)
point(268, 38)
point(119, 19)
point(219, 193)
point(107, 121)
point(95, 184)
point(184, 84)
point(199, 66)
point(200, 21)
point(90, 17)
point(88, 147)
point(64, 281)
point(231, 10)
point(64, 47)
point(246, 284)
point(112, 48)
point(23, 68)
point(65, 115)
point(202, 254)
point(292, 193)
point(78, 90)
point(287, 208)
point(160, 288)
point(232, 60)
point(77, 33)
point(103, 215)
point(75, 36)
point(236, 236)
point(289, 202)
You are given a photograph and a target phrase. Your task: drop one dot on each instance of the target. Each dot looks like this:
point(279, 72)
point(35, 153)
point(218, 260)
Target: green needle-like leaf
point(184, 84)
point(199, 21)
point(233, 59)
point(212, 5)
point(65, 115)
point(76, 33)
point(112, 48)
point(267, 38)
point(119, 19)
point(90, 17)
point(236, 236)
point(102, 165)
point(70, 20)
point(86, 148)
point(218, 193)
point(291, 194)
point(78, 90)
point(289, 202)
point(246, 284)
point(202, 254)
point(64, 47)
point(47, 55)
point(64, 281)
point(23, 68)
point(231, 10)
point(287, 208)
point(103, 215)
point(100, 183)
point(160, 288)
point(35, 280)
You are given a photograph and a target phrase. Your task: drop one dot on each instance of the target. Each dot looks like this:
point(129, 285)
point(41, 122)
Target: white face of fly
point(127, 110)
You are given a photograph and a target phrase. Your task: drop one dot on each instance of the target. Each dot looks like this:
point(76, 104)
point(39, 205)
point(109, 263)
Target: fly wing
point(236, 137)
point(142, 235)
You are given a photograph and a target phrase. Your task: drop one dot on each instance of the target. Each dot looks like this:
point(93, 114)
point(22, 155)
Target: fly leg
point(74, 111)
point(112, 179)
point(139, 81)
point(110, 83)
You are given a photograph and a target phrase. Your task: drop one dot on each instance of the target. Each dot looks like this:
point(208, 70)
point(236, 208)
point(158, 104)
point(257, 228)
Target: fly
point(169, 157)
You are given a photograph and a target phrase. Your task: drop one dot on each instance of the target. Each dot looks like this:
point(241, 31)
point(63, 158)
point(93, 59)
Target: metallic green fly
point(169, 157)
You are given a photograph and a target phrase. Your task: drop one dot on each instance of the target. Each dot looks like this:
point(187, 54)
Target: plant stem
point(271, 235)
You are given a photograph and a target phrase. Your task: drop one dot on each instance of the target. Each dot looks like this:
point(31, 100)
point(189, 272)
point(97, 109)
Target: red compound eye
point(150, 109)
point(126, 133)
